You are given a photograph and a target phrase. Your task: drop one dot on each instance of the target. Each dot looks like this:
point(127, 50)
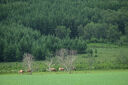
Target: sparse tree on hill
point(28, 62)
point(67, 58)
point(49, 64)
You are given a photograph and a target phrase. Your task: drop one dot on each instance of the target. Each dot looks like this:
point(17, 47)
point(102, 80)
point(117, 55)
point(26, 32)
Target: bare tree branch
point(66, 58)
point(49, 63)
point(28, 61)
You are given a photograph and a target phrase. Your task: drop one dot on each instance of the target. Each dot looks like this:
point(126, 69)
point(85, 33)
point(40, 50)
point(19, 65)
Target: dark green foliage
point(96, 51)
point(93, 31)
point(62, 32)
point(90, 52)
point(1, 50)
point(17, 40)
point(46, 16)
point(41, 27)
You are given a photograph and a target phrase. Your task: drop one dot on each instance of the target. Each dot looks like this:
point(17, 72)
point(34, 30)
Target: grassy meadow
point(118, 77)
point(109, 67)
point(108, 57)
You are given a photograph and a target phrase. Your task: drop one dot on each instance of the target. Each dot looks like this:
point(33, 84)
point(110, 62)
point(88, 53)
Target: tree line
point(17, 40)
point(41, 27)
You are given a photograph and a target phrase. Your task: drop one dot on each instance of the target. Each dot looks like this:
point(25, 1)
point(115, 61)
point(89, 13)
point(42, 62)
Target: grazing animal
point(29, 71)
point(21, 71)
point(74, 68)
point(61, 69)
point(52, 69)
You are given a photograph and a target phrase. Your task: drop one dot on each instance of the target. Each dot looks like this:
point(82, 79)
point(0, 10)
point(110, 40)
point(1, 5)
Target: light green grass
point(80, 78)
point(102, 45)
point(109, 57)
point(107, 50)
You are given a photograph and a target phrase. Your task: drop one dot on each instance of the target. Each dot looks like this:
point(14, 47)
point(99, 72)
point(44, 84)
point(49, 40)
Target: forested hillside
point(41, 27)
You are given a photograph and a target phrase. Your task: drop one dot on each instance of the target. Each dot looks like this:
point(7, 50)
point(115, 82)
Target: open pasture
point(117, 77)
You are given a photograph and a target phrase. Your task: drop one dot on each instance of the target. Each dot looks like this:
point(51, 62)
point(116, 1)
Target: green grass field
point(119, 77)
point(109, 56)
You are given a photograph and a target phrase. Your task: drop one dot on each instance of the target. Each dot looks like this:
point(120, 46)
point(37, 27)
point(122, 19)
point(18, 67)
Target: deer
point(52, 69)
point(61, 69)
point(21, 71)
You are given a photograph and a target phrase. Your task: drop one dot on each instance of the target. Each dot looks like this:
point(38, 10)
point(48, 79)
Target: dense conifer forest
point(41, 27)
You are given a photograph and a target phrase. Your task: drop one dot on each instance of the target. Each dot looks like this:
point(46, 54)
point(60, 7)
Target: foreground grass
point(77, 78)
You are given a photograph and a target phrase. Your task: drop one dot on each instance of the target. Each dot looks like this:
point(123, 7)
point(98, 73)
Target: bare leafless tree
point(49, 62)
point(66, 58)
point(28, 62)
